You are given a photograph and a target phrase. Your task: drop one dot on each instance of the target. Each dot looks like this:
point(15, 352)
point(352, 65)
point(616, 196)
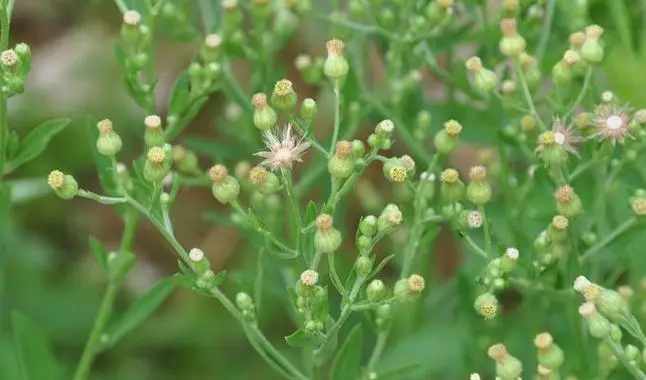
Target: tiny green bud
point(376, 291)
point(598, 325)
point(225, 187)
point(512, 44)
point(479, 190)
point(484, 80)
point(452, 188)
point(591, 50)
point(308, 109)
point(446, 140)
point(509, 259)
point(130, 27)
point(154, 134)
point(244, 301)
point(336, 65)
point(632, 353)
point(24, 52)
point(64, 185)
point(341, 165)
point(358, 149)
point(385, 129)
point(364, 243)
point(283, 97)
point(327, 239)
point(363, 266)
point(368, 225)
point(156, 166)
point(109, 143)
point(507, 366)
point(264, 116)
point(550, 355)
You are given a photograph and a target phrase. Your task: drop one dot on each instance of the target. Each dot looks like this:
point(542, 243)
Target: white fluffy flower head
point(196, 255)
point(282, 149)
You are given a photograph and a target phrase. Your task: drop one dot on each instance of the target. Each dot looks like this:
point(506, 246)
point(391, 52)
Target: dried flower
point(611, 122)
point(282, 150)
point(565, 136)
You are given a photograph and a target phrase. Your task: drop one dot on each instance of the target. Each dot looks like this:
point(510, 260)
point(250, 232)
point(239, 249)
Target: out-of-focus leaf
point(36, 359)
point(347, 362)
point(27, 189)
point(36, 141)
point(141, 309)
point(99, 252)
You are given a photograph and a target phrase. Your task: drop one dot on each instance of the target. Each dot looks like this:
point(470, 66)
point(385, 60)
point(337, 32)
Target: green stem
point(345, 314)
point(618, 232)
point(486, 229)
point(528, 97)
point(382, 339)
point(334, 276)
point(337, 117)
point(4, 45)
point(476, 248)
point(582, 93)
point(545, 32)
point(265, 232)
point(94, 341)
point(296, 214)
point(621, 355)
point(317, 260)
point(123, 8)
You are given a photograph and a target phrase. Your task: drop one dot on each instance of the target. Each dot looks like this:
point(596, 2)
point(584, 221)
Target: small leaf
point(305, 338)
point(99, 252)
point(36, 359)
point(13, 144)
point(37, 140)
point(180, 96)
point(347, 362)
point(143, 307)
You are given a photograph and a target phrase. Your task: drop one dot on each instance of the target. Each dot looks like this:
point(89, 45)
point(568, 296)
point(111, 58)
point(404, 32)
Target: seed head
point(335, 47)
point(543, 341)
point(152, 121)
point(104, 126)
point(282, 150)
point(452, 128)
point(309, 277)
point(56, 179)
point(9, 58)
point(324, 222)
point(218, 173)
point(560, 222)
point(258, 175)
point(477, 173)
point(196, 255)
point(497, 352)
point(415, 283)
point(283, 87)
point(612, 123)
point(259, 100)
point(449, 176)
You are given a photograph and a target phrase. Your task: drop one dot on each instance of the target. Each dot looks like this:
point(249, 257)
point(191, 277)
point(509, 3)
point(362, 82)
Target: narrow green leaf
point(141, 309)
point(99, 252)
point(37, 140)
point(305, 338)
point(381, 265)
point(36, 359)
point(180, 96)
point(347, 362)
point(12, 145)
point(622, 22)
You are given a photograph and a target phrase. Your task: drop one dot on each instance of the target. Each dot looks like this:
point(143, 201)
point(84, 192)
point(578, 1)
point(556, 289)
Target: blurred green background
point(47, 271)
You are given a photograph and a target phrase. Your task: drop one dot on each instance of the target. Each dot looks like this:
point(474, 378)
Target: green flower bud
point(452, 211)
point(130, 31)
point(368, 225)
point(244, 302)
point(154, 134)
point(156, 166)
point(389, 219)
point(446, 140)
point(64, 185)
point(395, 170)
point(199, 262)
point(512, 44)
point(264, 117)
point(308, 109)
point(123, 177)
point(341, 165)
point(638, 205)
point(591, 50)
point(376, 291)
point(552, 154)
point(363, 266)
point(612, 306)
point(508, 260)
point(364, 243)
point(336, 65)
point(283, 97)
point(185, 160)
point(225, 187)
point(207, 281)
point(507, 366)
point(567, 202)
point(542, 242)
point(550, 355)
point(358, 149)
point(615, 333)
point(486, 305)
point(109, 143)
point(484, 80)
point(326, 238)
point(452, 188)
point(598, 325)
point(633, 354)
point(265, 182)
point(385, 128)
point(558, 229)
point(478, 191)
point(24, 53)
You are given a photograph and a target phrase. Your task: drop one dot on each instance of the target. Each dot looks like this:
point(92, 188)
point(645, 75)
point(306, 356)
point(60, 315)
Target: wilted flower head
point(611, 122)
point(565, 136)
point(282, 150)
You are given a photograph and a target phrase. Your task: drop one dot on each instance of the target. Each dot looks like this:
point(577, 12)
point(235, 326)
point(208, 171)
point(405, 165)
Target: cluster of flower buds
point(15, 64)
point(495, 278)
point(311, 301)
point(398, 169)
point(382, 137)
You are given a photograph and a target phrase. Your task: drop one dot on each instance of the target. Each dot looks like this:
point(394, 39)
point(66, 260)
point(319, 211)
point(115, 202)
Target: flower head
point(282, 150)
point(611, 122)
point(565, 136)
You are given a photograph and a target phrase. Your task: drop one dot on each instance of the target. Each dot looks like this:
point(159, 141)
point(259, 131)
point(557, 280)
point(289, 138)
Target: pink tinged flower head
point(283, 149)
point(565, 136)
point(611, 122)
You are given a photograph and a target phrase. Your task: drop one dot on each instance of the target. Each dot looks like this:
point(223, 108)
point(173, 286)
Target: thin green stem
point(261, 229)
point(337, 116)
point(547, 28)
point(473, 245)
point(94, 341)
point(334, 276)
point(612, 236)
point(121, 4)
point(317, 260)
point(582, 93)
point(382, 339)
point(486, 229)
point(4, 129)
point(296, 213)
point(627, 363)
point(345, 314)
point(528, 97)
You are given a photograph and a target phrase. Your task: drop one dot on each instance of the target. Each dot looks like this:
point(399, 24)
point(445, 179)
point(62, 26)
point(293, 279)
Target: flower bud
point(24, 53)
point(446, 140)
point(395, 170)
point(612, 306)
point(591, 50)
point(336, 65)
point(244, 301)
point(363, 266)
point(452, 188)
point(512, 43)
point(154, 134)
point(358, 149)
point(389, 219)
point(326, 238)
point(341, 165)
point(563, 71)
point(64, 185)
point(558, 229)
point(568, 202)
point(507, 366)
point(185, 160)
point(633, 354)
point(368, 225)
point(484, 80)
point(598, 325)
point(638, 205)
point(385, 128)
point(486, 305)
point(283, 97)
point(550, 355)
point(509, 259)
point(309, 278)
point(479, 190)
point(263, 181)
point(109, 142)
point(552, 154)
point(225, 187)
point(156, 166)
point(130, 26)
point(364, 243)
point(308, 109)
point(264, 117)
point(376, 291)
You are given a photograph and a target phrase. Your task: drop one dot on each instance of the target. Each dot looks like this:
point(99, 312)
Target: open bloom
point(282, 149)
point(611, 122)
point(565, 136)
